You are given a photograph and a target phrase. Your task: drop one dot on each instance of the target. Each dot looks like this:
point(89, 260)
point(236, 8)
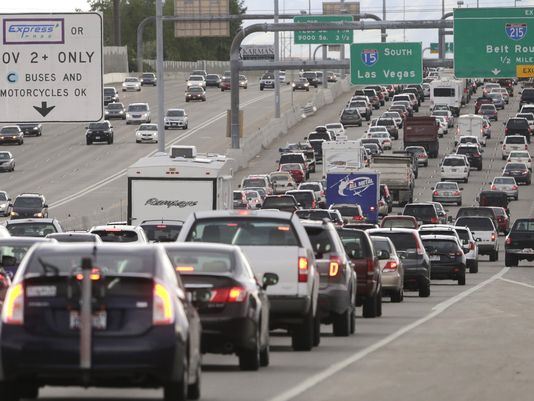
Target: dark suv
point(425, 212)
point(284, 203)
point(473, 155)
point(110, 95)
point(527, 97)
point(518, 126)
point(359, 247)
point(481, 211)
point(337, 290)
point(312, 78)
point(29, 205)
point(148, 78)
point(415, 260)
point(162, 230)
point(99, 132)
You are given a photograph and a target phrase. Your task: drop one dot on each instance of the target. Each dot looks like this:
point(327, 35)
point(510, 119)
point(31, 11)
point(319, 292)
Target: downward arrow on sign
point(44, 109)
point(495, 71)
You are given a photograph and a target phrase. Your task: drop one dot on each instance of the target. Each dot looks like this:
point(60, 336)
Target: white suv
point(455, 168)
point(176, 118)
point(138, 113)
point(511, 143)
point(470, 248)
point(485, 234)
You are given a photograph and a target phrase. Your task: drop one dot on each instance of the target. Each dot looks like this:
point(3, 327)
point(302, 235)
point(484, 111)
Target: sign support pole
point(160, 74)
point(276, 71)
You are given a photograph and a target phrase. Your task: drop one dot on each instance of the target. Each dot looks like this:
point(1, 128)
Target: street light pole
point(160, 75)
point(309, 46)
point(276, 72)
point(383, 31)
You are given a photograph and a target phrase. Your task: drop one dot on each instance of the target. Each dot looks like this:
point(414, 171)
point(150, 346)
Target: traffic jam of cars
point(333, 231)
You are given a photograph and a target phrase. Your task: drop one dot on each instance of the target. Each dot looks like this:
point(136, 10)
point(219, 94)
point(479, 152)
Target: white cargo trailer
point(343, 153)
point(172, 186)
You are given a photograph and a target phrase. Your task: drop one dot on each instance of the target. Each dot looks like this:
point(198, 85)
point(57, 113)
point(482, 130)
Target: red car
point(225, 84)
point(295, 169)
point(503, 221)
point(482, 100)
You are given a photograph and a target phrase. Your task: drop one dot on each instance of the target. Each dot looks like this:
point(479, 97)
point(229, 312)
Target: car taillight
point(333, 269)
point(390, 266)
point(526, 146)
point(472, 246)
point(358, 218)
point(456, 193)
point(13, 310)
point(508, 240)
point(434, 220)
point(303, 269)
point(493, 187)
point(163, 309)
point(514, 187)
point(436, 193)
point(506, 131)
point(94, 275)
point(370, 266)
point(493, 236)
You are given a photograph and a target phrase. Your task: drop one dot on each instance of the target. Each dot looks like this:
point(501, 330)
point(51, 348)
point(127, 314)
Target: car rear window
point(162, 232)
point(430, 231)
point(348, 210)
point(253, 182)
point(319, 135)
point(476, 223)
point(433, 246)
point(517, 123)
point(446, 185)
point(443, 92)
point(419, 211)
point(202, 261)
point(514, 140)
point(475, 211)
point(504, 180)
point(279, 201)
point(244, 232)
point(523, 225)
point(320, 239)
point(313, 214)
point(403, 241)
point(454, 162)
point(398, 223)
point(31, 229)
point(294, 158)
point(11, 255)
point(356, 243)
point(116, 235)
point(304, 198)
point(109, 262)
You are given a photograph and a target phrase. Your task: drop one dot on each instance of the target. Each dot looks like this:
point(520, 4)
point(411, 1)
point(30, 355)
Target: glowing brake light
point(493, 236)
point(303, 270)
point(493, 187)
point(163, 310)
point(13, 311)
point(514, 187)
point(390, 266)
point(94, 276)
point(434, 220)
point(184, 269)
point(436, 193)
point(508, 241)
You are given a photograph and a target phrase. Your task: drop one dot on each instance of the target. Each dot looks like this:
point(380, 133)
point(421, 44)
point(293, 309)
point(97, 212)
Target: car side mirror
point(305, 138)
point(431, 188)
point(500, 142)
point(401, 254)
point(461, 188)
point(269, 279)
point(449, 219)
point(45, 205)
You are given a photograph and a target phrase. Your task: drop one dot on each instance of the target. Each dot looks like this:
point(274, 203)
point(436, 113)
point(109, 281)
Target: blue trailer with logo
point(360, 187)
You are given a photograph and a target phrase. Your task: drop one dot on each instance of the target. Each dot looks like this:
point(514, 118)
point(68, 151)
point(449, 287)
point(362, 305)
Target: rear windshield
point(304, 198)
point(443, 92)
point(114, 235)
point(244, 232)
point(519, 123)
point(137, 107)
point(420, 211)
point(320, 239)
point(475, 211)
point(454, 162)
point(312, 187)
point(348, 210)
point(514, 139)
point(524, 225)
point(350, 112)
point(399, 223)
point(278, 201)
point(319, 135)
point(109, 91)
point(403, 241)
point(201, 261)
point(516, 166)
point(440, 246)
point(431, 231)
point(504, 180)
point(175, 113)
point(11, 255)
point(447, 185)
point(355, 243)
point(298, 158)
point(31, 229)
point(476, 223)
point(313, 214)
point(253, 182)
point(108, 262)
point(115, 106)
point(527, 93)
point(162, 232)
point(381, 245)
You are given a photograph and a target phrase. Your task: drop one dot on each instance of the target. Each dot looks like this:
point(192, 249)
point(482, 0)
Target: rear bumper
point(447, 199)
point(415, 278)
point(286, 310)
point(333, 299)
point(447, 271)
point(486, 249)
point(148, 360)
point(224, 335)
point(391, 281)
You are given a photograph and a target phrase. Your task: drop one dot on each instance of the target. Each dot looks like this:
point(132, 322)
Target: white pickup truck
point(273, 242)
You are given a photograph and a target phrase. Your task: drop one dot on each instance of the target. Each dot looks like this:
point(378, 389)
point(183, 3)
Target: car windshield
point(384, 122)
point(305, 198)
point(526, 155)
point(515, 166)
point(433, 246)
point(109, 91)
point(523, 225)
point(116, 235)
point(175, 113)
point(5, 156)
point(196, 89)
point(115, 106)
point(212, 76)
point(504, 180)
point(148, 127)
point(197, 78)
point(161, 232)
point(279, 178)
point(202, 261)
point(420, 211)
point(10, 130)
point(33, 229)
point(403, 241)
point(290, 167)
point(137, 107)
point(464, 150)
point(381, 244)
point(476, 223)
point(98, 126)
point(253, 182)
point(398, 223)
point(514, 140)
point(487, 107)
point(321, 240)
point(440, 113)
point(28, 201)
point(350, 112)
point(131, 80)
point(109, 262)
point(148, 75)
point(454, 162)
point(517, 123)
point(446, 185)
point(244, 232)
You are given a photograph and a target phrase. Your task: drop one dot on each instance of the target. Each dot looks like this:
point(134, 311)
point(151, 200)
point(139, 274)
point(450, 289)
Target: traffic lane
point(51, 161)
point(109, 201)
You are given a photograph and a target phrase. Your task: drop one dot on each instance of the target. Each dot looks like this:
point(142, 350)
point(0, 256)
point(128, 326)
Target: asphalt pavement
point(462, 343)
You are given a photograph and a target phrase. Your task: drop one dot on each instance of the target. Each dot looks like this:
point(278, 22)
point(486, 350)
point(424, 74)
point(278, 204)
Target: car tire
point(360, 124)
point(302, 336)
point(466, 180)
point(474, 267)
point(186, 126)
point(503, 157)
point(28, 390)
point(89, 142)
point(261, 88)
point(353, 320)
point(517, 197)
point(510, 261)
point(379, 304)
point(479, 168)
point(137, 141)
point(494, 256)
point(368, 117)
point(316, 331)
point(341, 323)
point(265, 356)
point(249, 359)
point(370, 306)
point(8, 392)
point(461, 279)
point(177, 391)
point(397, 296)
point(424, 292)
point(193, 389)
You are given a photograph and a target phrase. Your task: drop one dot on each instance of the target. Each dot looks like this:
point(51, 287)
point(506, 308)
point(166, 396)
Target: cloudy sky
point(396, 9)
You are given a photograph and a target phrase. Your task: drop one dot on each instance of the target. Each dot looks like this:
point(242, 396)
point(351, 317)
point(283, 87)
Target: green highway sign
point(323, 37)
point(493, 42)
point(434, 47)
point(386, 63)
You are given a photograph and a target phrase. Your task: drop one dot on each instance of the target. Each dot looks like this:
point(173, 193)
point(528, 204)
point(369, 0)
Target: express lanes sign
point(51, 67)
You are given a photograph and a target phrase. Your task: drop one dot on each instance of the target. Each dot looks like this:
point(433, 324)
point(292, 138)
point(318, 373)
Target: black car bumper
point(103, 136)
point(224, 335)
point(148, 360)
point(415, 277)
point(447, 271)
point(333, 300)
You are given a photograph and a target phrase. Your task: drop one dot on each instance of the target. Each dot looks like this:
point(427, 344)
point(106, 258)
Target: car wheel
point(510, 261)
point(185, 127)
point(461, 279)
point(341, 323)
point(424, 291)
point(466, 180)
point(517, 197)
point(261, 88)
point(474, 267)
point(303, 335)
point(28, 390)
point(459, 203)
point(479, 168)
point(397, 296)
point(137, 141)
point(494, 256)
point(360, 124)
point(193, 389)
point(370, 306)
point(249, 359)
point(353, 320)
point(316, 331)
point(264, 356)
point(426, 164)
point(89, 142)
point(368, 117)
point(8, 392)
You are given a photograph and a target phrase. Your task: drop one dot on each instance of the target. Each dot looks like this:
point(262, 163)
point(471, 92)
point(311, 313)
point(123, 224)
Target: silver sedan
point(392, 269)
point(506, 184)
point(447, 192)
point(7, 161)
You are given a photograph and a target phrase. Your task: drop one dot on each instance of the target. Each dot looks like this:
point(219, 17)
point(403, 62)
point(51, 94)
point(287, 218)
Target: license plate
point(97, 137)
point(435, 258)
point(528, 250)
point(447, 193)
point(454, 170)
point(99, 320)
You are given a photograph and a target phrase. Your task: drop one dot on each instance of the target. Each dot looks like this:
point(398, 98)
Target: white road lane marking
point(338, 366)
point(517, 282)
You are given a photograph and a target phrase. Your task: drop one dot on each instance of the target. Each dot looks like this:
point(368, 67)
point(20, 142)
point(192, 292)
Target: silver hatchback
point(506, 184)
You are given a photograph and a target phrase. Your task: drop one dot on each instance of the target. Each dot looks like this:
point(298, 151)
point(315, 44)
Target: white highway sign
point(51, 68)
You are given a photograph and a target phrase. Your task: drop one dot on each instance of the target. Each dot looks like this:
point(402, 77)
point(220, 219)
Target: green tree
point(132, 12)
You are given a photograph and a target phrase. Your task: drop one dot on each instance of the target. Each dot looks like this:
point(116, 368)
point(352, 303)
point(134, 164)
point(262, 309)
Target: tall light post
point(309, 46)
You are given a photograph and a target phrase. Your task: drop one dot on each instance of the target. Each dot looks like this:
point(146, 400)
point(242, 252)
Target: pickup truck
point(397, 175)
point(519, 243)
point(422, 131)
point(273, 242)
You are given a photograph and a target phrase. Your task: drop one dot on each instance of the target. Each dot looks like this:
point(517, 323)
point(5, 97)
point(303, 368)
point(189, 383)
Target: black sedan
point(213, 80)
point(195, 93)
point(28, 129)
point(519, 171)
point(235, 316)
point(7, 161)
point(99, 132)
point(301, 84)
point(145, 332)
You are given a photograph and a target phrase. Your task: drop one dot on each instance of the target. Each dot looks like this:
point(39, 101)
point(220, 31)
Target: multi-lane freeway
point(461, 343)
